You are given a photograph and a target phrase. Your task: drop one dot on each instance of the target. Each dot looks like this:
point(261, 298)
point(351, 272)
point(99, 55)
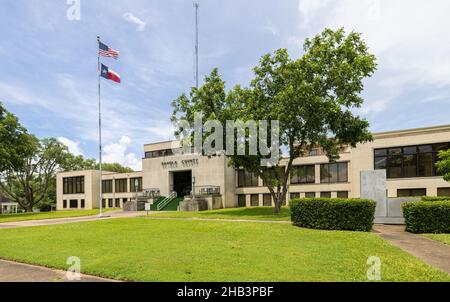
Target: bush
point(427, 216)
point(433, 198)
point(333, 213)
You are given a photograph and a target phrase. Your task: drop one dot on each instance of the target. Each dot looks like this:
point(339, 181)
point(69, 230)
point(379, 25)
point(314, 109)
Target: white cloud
point(271, 28)
point(117, 153)
point(405, 35)
point(74, 147)
point(129, 17)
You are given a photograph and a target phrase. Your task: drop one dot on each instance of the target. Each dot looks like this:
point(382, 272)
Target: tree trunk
point(29, 209)
point(278, 204)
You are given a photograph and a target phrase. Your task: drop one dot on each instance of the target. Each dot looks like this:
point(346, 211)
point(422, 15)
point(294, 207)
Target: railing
point(166, 201)
point(149, 193)
point(207, 190)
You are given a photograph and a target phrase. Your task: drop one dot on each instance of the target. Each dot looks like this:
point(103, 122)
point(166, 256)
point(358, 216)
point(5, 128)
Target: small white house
point(7, 206)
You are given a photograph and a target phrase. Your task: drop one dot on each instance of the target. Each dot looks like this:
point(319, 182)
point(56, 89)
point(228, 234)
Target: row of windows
point(121, 185)
point(73, 185)
point(113, 203)
point(268, 200)
point(421, 192)
point(411, 161)
point(73, 204)
point(340, 194)
point(329, 173)
point(159, 153)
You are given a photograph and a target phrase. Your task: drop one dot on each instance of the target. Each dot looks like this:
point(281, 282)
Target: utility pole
point(196, 6)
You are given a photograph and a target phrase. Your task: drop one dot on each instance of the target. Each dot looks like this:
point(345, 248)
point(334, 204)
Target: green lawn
point(49, 215)
point(144, 249)
point(256, 213)
point(444, 238)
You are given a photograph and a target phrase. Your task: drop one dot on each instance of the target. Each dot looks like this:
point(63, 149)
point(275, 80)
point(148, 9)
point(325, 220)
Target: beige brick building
point(408, 156)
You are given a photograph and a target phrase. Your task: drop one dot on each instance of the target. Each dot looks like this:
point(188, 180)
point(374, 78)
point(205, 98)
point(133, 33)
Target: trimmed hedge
point(333, 213)
point(433, 198)
point(427, 216)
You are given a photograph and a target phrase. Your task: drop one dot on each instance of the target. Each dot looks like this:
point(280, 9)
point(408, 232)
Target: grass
point(444, 238)
point(142, 249)
point(256, 213)
point(49, 215)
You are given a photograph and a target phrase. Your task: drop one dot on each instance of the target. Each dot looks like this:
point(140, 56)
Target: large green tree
point(312, 97)
point(443, 165)
point(15, 142)
point(28, 166)
point(31, 183)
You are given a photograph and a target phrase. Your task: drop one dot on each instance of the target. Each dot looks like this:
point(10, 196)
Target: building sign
point(184, 163)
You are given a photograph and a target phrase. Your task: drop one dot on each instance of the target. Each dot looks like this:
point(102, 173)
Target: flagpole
point(100, 130)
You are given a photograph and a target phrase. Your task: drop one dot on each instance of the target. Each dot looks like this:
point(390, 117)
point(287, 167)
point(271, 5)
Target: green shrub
point(433, 198)
point(427, 216)
point(333, 213)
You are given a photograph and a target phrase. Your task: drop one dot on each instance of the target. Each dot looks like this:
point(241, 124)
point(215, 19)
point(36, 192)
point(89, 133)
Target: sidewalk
point(34, 223)
point(429, 251)
point(18, 272)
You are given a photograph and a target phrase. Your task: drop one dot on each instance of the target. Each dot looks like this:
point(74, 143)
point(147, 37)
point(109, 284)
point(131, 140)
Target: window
point(443, 192)
point(110, 203)
point(274, 175)
point(247, 179)
point(83, 204)
point(408, 162)
point(103, 203)
point(125, 200)
point(64, 204)
point(241, 201)
point(303, 174)
point(325, 195)
point(74, 204)
point(136, 184)
point(334, 173)
point(254, 200)
point(411, 192)
point(73, 185)
point(342, 194)
point(310, 195)
point(160, 153)
point(267, 200)
point(121, 185)
point(117, 203)
point(295, 195)
point(107, 186)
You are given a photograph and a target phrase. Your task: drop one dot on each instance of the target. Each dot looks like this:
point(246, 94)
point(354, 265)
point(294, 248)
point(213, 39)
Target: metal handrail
point(207, 190)
point(166, 201)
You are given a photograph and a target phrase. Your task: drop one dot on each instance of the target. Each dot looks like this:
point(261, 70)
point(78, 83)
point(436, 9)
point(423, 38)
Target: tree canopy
point(312, 97)
point(443, 165)
point(28, 166)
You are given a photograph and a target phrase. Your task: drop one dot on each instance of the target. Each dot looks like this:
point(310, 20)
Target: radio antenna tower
point(196, 6)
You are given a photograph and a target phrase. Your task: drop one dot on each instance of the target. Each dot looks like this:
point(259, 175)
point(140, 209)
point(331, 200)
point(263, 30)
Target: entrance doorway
point(182, 183)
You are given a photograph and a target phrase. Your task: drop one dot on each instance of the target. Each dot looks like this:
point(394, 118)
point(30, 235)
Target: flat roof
point(375, 134)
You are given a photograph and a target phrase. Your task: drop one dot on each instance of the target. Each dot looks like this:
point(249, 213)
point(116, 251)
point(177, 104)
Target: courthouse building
point(408, 156)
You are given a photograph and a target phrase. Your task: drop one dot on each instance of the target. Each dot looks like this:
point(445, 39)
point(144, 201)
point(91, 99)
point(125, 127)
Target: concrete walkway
point(220, 220)
point(18, 272)
point(34, 223)
point(429, 251)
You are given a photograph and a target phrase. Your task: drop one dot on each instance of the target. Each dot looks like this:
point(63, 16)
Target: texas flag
point(109, 74)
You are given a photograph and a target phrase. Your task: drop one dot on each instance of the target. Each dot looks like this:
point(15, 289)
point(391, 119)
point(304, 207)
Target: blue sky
point(48, 65)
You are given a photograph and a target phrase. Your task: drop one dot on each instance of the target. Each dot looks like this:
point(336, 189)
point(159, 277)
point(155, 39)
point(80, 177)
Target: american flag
point(106, 51)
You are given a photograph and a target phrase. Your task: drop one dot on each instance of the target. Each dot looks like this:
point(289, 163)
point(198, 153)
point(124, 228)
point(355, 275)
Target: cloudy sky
point(48, 63)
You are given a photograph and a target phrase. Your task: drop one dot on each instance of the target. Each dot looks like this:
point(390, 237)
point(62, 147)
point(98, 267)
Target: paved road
point(18, 272)
point(33, 223)
point(429, 251)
